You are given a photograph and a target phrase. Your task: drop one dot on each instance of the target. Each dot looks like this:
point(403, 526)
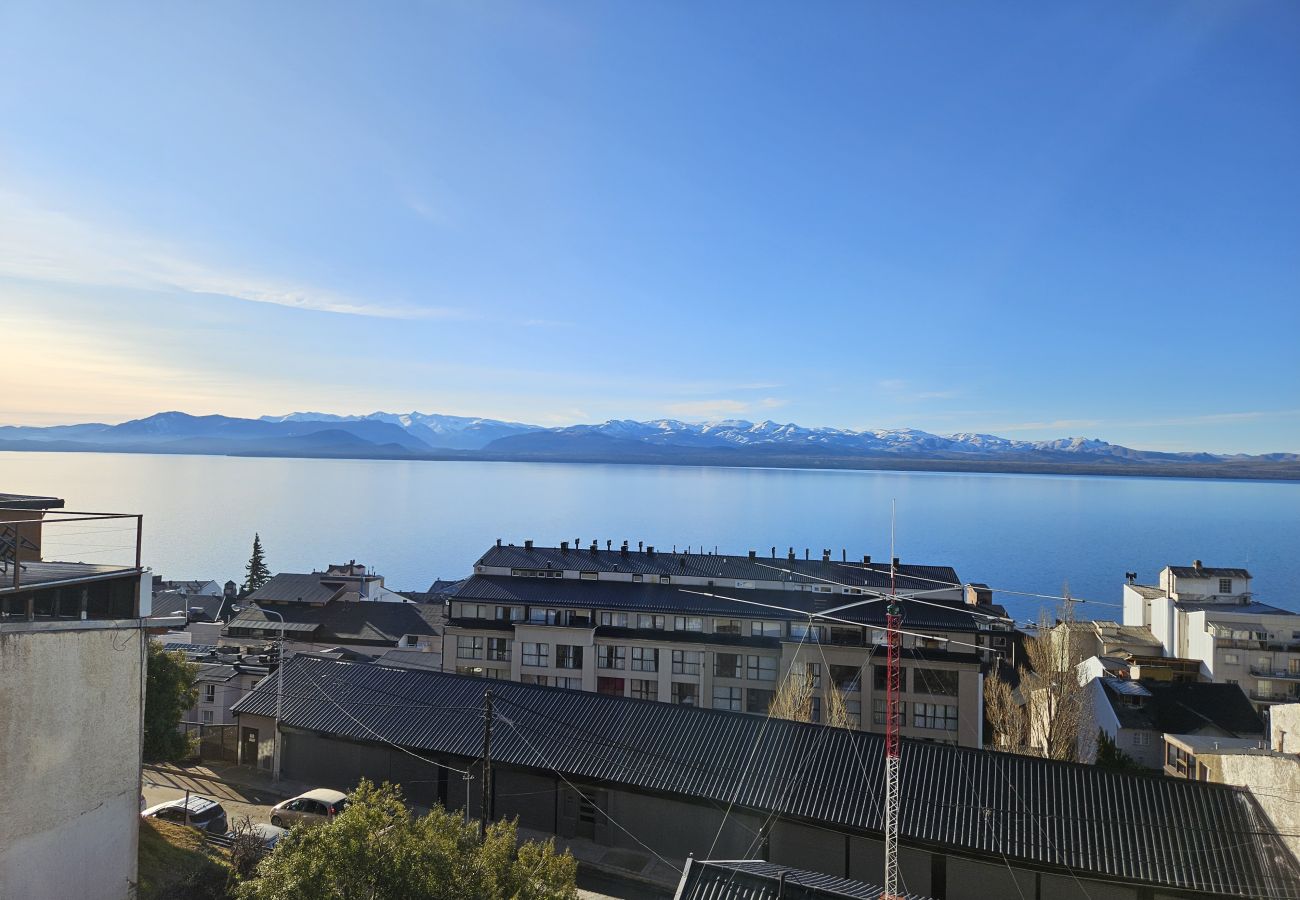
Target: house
point(1210, 614)
point(72, 654)
point(754, 879)
point(723, 631)
point(196, 607)
point(197, 587)
point(365, 627)
point(348, 581)
point(221, 684)
point(1136, 715)
point(676, 780)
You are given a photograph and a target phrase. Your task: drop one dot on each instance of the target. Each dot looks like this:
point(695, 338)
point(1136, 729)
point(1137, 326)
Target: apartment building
point(1210, 614)
point(72, 656)
point(721, 631)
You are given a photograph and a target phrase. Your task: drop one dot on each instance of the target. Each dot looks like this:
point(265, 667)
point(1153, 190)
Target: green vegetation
point(169, 693)
point(1109, 756)
point(176, 864)
point(378, 850)
point(258, 573)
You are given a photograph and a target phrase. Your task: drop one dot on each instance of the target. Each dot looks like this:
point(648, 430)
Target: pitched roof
point(738, 566)
point(1183, 708)
point(1190, 835)
point(174, 603)
point(945, 615)
point(1207, 572)
point(1244, 609)
point(368, 622)
point(755, 879)
point(294, 587)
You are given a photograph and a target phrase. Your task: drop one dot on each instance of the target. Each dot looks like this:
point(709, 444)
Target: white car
point(313, 807)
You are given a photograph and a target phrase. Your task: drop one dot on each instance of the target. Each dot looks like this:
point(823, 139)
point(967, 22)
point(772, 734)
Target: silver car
point(313, 807)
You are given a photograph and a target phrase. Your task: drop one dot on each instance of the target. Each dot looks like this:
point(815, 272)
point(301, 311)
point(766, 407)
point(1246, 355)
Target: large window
point(765, 629)
point(616, 619)
point(611, 657)
point(568, 656)
point(758, 700)
point(542, 616)
point(469, 647)
point(611, 686)
point(573, 684)
point(802, 631)
point(941, 682)
point(1225, 585)
point(881, 675)
point(477, 671)
point(726, 626)
point(688, 623)
point(846, 678)
point(686, 693)
point(762, 668)
point(878, 710)
point(498, 649)
point(645, 659)
point(728, 698)
point(814, 672)
point(854, 709)
point(473, 611)
point(536, 654)
point(644, 620)
point(938, 716)
point(728, 665)
point(686, 662)
point(543, 680)
point(508, 613)
point(645, 689)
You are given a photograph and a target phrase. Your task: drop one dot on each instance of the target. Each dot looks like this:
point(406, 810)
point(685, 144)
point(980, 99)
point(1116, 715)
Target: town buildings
point(72, 654)
point(1210, 614)
point(721, 631)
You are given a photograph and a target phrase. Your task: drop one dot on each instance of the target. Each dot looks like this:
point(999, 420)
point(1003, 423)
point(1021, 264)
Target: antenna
point(893, 686)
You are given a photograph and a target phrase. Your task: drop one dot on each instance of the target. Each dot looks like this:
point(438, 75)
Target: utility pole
point(893, 683)
point(487, 764)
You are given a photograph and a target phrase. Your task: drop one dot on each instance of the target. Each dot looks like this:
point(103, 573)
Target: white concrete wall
point(1137, 610)
point(1273, 778)
point(1284, 727)
point(69, 761)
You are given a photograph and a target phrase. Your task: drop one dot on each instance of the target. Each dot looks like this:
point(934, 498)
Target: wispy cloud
point(51, 246)
point(708, 408)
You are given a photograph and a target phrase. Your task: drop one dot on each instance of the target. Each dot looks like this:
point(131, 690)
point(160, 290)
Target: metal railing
point(51, 548)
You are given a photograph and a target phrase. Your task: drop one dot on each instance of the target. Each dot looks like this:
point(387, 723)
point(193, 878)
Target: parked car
point(269, 835)
point(313, 807)
point(197, 812)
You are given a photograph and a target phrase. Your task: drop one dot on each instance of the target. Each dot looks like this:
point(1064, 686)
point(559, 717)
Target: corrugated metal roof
point(750, 879)
point(1184, 834)
point(294, 587)
point(369, 621)
point(720, 565)
point(943, 615)
point(1208, 572)
point(1127, 688)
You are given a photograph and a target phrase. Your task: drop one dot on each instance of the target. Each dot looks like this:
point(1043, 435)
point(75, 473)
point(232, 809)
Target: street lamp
point(279, 694)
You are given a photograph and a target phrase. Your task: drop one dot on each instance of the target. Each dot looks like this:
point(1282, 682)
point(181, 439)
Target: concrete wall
point(1284, 727)
point(1273, 778)
point(69, 760)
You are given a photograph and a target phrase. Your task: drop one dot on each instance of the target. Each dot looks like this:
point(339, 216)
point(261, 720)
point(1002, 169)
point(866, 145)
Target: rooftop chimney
point(805, 553)
point(753, 554)
point(623, 549)
point(844, 555)
point(594, 547)
point(791, 555)
point(1196, 564)
point(564, 546)
point(649, 551)
point(826, 556)
point(609, 545)
point(498, 542)
point(895, 562)
point(866, 559)
point(640, 545)
point(528, 544)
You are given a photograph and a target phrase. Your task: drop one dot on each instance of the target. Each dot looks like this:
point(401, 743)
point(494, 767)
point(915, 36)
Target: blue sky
point(1035, 220)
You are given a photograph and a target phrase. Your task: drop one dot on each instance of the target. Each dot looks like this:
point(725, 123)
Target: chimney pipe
point(826, 556)
point(1196, 564)
point(791, 556)
point(805, 554)
point(844, 554)
point(564, 546)
point(895, 562)
point(753, 554)
point(866, 559)
point(774, 553)
point(498, 542)
point(594, 547)
point(640, 546)
point(528, 544)
point(623, 549)
point(650, 551)
point(609, 545)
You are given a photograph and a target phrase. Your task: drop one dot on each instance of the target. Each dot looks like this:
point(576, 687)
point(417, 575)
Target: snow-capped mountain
point(434, 429)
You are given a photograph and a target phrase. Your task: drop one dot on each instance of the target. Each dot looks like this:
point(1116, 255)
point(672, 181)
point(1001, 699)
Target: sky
point(1034, 220)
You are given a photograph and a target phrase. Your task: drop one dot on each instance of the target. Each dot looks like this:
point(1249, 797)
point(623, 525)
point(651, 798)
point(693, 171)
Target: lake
point(414, 521)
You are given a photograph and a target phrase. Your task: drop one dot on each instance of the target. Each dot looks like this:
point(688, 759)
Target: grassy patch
point(176, 864)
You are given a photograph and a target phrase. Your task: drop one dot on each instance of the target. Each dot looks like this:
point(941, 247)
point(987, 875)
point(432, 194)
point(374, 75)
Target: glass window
point(1231, 659)
point(881, 673)
point(758, 700)
point(728, 665)
point(686, 662)
point(644, 620)
point(665, 579)
point(209, 693)
point(611, 686)
point(937, 716)
point(476, 671)
point(802, 631)
point(568, 656)
point(688, 623)
point(854, 709)
point(498, 649)
point(508, 613)
point(728, 698)
point(637, 577)
point(726, 626)
point(941, 682)
point(765, 629)
point(686, 693)
point(473, 611)
point(814, 672)
point(645, 659)
point(616, 619)
point(573, 684)
point(536, 654)
point(846, 678)
point(645, 689)
point(469, 647)
point(1225, 585)
point(588, 576)
point(878, 711)
point(611, 657)
point(543, 680)
point(762, 668)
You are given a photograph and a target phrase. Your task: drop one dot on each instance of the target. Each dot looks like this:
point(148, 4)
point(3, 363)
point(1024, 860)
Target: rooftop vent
point(640, 545)
point(594, 547)
point(498, 542)
point(895, 562)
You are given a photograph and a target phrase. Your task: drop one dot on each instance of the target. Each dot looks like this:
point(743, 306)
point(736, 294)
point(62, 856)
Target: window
point(878, 711)
point(543, 616)
point(802, 631)
point(1225, 585)
point(473, 611)
point(537, 573)
point(543, 680)
point(728, 698)
point(645, 659)
point(1264, 662)
point(942, 682)
point(688, 623)
point(762, 668)
point(536, 654)
point(573, 684)
point(645, 689)
point(498, 649)
point(686, 662)
point(588, 576)
point(637, 577)
point(647, 621)
point(726, 626)
point(758, 700)
point(686, 693)
point(209, 693)
point(616, 619)
point(814, 674)
point(508, 613)
point(611, 686)
point(854, 709)
point(937, 716)
point(815, 709)
point(765, 629)
point(611, 657)
point(728, 665)
point(842, 635)
point(1141, 739)
point(207, 717)
point(881, 674)
point(568, 656)
point(469, 647)
point(747, 585)
point(476, 671)
point(846, 678)
point(1231, 659)
point(664, 579)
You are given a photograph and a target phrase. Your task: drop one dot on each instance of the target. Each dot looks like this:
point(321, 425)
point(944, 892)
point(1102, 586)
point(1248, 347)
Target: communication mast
point(893, 685)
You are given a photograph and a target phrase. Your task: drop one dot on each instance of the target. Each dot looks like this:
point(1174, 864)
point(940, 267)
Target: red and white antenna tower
point(893, 685)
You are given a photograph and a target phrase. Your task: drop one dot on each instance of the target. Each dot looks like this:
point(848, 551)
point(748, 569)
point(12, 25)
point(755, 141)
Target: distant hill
point(728, 442)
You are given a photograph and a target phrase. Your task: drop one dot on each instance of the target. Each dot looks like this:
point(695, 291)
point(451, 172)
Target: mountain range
point(727, 442)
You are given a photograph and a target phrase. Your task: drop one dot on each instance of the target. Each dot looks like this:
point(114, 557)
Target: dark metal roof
point(29, 501)
point(753, 879)
point(1184, 834)
point(1207, 572)
point(1183, 708)
point(669, 599)
point(367, 622)
point(170, 603)
point(291, 587)
point(1245, 609)
point(727, 566)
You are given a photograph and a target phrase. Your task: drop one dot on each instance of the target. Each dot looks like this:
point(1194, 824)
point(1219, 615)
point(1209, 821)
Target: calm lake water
point(415, 521)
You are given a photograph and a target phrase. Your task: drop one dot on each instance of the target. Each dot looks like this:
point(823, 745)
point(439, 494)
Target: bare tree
point(1004, 710)
point(793, 700)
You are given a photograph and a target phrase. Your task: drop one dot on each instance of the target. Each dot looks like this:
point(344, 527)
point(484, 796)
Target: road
point(240, 801)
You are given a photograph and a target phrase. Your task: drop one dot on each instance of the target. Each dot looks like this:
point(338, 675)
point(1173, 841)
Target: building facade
point(723, 632)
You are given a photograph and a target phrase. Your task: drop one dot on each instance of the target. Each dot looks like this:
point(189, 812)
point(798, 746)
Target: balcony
point(57, 565)
point(1272, 696)
point(1284, 675)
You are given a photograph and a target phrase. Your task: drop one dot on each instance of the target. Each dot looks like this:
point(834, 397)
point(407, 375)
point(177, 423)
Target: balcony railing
point(1273, 696)
point(1279, 675)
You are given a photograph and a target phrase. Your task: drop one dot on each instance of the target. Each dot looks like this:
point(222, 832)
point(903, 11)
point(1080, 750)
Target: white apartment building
point(721, 631)
point(1209, 614)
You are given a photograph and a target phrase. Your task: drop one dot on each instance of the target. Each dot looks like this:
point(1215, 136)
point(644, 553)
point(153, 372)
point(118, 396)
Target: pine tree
point(258, 573)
